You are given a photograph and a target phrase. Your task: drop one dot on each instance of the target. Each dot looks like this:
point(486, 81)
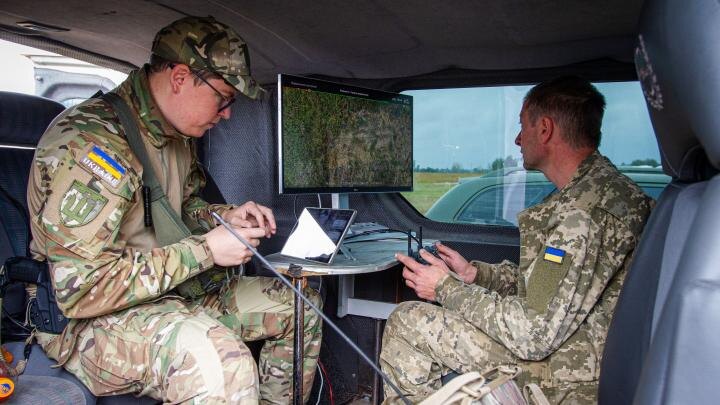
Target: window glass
point(488, 206)
point(467, 167)
point(66, 80)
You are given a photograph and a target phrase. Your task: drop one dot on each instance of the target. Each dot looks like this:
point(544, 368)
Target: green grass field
point(430, 186)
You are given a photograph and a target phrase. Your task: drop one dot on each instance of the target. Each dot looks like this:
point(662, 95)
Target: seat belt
point(169, 227)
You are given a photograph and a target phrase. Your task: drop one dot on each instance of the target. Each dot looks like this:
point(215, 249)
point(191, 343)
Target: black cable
point(294, 203)
point(374, 231)
point(14, 321)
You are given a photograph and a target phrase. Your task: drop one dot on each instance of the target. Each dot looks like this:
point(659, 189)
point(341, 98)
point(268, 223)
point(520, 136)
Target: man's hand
point(227, 250)
point(457, 263)
point(423, 278)
point(252, 215)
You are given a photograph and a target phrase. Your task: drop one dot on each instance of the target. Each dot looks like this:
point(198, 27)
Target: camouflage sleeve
point(81, 190)
point(560, 293)
point(499, 277)
point(195, 206)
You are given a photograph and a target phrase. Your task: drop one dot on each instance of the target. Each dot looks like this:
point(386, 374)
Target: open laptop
point(318, 234)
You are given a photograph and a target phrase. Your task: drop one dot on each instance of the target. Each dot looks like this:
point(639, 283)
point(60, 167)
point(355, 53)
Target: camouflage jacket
point(575, 249)
point(86, 206)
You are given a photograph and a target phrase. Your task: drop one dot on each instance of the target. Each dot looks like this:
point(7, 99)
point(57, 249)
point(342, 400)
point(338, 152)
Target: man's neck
point(561, 167)
point(160, 93)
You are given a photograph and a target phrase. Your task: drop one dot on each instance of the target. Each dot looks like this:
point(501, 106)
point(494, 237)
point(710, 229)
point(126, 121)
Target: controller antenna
point(420, 243)
point(409, 243)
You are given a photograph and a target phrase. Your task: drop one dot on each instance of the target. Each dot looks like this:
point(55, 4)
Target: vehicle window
point(653, 191)
point(468, 169)
point(66, 80)
point(500, 205)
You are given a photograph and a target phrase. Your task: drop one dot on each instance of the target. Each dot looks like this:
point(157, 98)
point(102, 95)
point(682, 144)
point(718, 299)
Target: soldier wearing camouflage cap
point(116, 275)
point(207, 44)
point(549, 314)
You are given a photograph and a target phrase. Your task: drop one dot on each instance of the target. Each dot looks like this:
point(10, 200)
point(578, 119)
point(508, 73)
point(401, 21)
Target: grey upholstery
point(629, 334)
point(42, 390)
point(23, 119)
point(41, 365)
point(683, 358)
point(646, 290)
point(662, 346)
point(680, 73)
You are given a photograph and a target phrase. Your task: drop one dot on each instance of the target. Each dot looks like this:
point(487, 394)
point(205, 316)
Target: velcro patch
point(103, 166)
point(80, 205)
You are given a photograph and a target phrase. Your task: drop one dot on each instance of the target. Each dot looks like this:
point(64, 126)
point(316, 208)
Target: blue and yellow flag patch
point(554, 255)
point(103, 166)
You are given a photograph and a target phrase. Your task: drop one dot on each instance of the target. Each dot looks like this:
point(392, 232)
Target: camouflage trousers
point(422, 342)
point(180, 352)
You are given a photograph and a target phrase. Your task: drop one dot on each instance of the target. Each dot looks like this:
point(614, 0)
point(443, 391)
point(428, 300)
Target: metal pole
point(298, 338)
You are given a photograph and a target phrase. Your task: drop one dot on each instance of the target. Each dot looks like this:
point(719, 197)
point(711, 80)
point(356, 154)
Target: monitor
point(335, 138)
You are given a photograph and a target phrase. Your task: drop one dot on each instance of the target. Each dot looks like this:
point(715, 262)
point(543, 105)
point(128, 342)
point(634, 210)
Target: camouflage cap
point(207, 44)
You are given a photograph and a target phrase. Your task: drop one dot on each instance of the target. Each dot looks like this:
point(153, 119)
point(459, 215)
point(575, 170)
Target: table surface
point(368, 257)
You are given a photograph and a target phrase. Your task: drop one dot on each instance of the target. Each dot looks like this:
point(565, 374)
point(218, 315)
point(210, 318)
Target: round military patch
point(80, 205)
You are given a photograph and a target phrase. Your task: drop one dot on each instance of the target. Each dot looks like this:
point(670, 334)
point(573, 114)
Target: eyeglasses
point(225, 101)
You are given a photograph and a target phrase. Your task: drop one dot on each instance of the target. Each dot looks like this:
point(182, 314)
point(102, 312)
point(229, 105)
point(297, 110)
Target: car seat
point(662, 345)
point(23, 119)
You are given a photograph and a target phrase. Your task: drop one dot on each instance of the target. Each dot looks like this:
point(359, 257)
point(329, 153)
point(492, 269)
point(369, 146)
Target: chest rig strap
point(168, 225)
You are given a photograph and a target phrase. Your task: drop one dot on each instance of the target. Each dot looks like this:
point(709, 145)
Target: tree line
point(508, 161)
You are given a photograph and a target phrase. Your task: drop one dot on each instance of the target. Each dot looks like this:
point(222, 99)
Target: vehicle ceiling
point(373, 39)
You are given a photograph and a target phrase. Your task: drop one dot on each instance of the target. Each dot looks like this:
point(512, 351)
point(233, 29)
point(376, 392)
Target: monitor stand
point(347, 304)
point(340, 200)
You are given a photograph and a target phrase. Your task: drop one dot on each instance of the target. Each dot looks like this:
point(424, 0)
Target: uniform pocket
point(405, 362)
point(113, 365)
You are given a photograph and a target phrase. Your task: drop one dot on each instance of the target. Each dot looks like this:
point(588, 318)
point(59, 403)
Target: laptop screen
point(318, 234)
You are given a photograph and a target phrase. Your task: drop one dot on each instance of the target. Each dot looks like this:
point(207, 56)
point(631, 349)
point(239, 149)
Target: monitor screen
point(335, 138)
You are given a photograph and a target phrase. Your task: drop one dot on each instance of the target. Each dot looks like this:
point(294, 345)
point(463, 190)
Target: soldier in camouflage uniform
point(129, 332)
point(549, 314)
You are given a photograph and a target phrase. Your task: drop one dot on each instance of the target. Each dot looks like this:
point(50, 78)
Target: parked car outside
point(498, 196)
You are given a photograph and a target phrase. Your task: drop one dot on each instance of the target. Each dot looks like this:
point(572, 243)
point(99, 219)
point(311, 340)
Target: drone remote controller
point(415, 254)
point(432, 249)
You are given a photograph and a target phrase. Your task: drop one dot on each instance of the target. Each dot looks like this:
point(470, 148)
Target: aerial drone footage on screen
point(337, 138)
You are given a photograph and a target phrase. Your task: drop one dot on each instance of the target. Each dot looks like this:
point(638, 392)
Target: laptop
point(318, 234)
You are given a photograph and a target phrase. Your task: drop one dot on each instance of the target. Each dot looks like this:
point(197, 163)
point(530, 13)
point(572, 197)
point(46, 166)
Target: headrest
point(678, 64)
point(24, 118)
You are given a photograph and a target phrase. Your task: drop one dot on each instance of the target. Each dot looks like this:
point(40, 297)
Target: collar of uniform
point(136, 91)
point(570, 190)
point(583, 169)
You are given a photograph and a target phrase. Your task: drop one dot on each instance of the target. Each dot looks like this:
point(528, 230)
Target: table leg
point(377, 382)
point(298, 344)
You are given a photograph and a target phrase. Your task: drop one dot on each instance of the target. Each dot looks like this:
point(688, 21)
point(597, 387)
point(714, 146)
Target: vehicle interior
point(662, 346)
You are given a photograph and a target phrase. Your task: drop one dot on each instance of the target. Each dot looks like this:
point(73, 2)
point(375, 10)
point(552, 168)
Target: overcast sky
point(472, 127)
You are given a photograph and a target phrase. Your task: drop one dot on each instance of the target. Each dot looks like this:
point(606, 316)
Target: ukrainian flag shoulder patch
point(554, 255)
point(103, 166)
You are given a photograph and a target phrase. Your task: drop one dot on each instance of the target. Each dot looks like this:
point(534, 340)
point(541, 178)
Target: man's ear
point(179, 75)
point(547, 129)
